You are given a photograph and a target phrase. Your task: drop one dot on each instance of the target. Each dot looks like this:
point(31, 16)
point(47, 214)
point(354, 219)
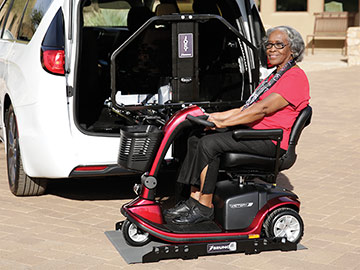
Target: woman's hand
point(214, 117)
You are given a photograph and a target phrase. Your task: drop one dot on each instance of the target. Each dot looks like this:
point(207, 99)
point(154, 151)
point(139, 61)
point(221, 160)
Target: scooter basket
point(138, 146)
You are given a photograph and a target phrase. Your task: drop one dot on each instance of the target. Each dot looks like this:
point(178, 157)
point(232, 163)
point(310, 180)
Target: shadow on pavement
point(105, 188)
point(283, 181)
point(121, 187)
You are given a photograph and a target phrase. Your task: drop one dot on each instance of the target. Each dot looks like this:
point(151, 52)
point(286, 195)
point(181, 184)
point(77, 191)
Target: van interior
point(130, 55)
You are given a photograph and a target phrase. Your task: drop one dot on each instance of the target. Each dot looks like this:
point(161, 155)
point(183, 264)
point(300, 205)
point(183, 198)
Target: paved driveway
point(65, 229)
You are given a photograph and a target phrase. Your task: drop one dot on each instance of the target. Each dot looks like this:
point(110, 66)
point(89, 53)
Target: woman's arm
point(225, 114)
point(255, 112)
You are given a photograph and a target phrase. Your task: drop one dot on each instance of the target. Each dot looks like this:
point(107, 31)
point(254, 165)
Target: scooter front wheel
point(133, 235)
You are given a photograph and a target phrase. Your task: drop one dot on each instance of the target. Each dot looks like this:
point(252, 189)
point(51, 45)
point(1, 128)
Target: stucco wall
point(301, 21)
point(353, 39)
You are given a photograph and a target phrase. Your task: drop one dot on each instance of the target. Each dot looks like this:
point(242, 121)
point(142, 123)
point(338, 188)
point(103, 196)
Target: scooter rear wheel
point(284, 222)
point(133, 235)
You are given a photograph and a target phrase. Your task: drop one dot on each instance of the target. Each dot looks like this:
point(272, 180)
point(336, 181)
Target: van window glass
point(34, 13)
point(14, 19)
point(109, 13)
point(4, 8)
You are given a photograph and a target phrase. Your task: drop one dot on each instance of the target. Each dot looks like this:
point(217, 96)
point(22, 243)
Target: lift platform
point(156, 251)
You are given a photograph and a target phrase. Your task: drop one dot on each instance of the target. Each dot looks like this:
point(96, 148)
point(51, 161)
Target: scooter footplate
point(202, 227)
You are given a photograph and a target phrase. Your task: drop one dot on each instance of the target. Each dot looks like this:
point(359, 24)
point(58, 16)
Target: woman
point(275, 103)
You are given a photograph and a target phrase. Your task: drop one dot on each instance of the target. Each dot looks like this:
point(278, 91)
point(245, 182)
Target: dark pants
point(203, 150)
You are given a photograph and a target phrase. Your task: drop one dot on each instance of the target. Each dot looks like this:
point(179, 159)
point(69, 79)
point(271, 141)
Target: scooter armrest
point(258, 134)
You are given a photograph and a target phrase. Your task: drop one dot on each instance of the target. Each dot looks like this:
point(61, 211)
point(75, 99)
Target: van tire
point(20, 184)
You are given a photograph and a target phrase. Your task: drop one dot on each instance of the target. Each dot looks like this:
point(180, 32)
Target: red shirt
point(294, 87)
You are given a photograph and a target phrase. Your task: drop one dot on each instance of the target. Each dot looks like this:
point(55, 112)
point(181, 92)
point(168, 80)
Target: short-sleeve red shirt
point(294, 87)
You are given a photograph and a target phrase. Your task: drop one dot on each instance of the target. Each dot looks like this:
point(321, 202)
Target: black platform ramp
point(129, 253)
point(156, 251)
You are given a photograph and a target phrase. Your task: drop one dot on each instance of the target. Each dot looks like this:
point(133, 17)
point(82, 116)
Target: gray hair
point(297, 45)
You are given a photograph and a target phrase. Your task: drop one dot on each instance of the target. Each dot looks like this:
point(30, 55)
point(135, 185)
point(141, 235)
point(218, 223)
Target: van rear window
point(22, 18)
point(109, 13)
point(34, 12)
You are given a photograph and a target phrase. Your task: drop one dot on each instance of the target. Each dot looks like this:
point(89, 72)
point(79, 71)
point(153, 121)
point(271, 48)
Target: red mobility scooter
point(250, 216)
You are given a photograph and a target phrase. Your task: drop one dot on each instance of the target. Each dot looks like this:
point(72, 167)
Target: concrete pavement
point(65, 228)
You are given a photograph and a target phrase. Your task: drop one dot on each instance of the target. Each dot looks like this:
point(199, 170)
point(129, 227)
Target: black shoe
point(179, 209)
point(195, 215)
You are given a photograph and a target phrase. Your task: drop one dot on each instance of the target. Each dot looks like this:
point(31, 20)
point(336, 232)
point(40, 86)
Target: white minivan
point(73, 73)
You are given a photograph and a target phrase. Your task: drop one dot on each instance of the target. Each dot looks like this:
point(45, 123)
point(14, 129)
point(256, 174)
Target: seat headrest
point(137, 16)
point(165, 9)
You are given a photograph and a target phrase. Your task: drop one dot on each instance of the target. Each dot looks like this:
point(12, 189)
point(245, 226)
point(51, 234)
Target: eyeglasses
point(278, 45)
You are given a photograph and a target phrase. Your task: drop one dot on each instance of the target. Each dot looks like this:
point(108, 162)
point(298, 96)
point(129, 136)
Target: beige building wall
point(301, 21)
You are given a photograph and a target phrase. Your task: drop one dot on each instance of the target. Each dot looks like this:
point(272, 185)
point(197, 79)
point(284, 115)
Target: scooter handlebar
point(200, 120)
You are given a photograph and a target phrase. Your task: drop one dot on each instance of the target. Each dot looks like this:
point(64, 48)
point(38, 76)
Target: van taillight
point(53, 61)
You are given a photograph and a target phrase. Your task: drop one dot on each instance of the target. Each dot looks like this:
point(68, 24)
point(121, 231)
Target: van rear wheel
point(20, 184)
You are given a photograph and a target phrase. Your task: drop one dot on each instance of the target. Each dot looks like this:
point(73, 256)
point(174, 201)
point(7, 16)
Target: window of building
point(341, 5)
point(34, 13)
point(291, 5)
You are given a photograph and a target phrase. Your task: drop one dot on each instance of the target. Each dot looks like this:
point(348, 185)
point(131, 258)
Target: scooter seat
point(266, 167)
point(232, 161)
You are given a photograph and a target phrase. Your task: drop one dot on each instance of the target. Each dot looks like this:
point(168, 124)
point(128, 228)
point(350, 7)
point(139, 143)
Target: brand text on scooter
point(221, 247)
point(241, 205)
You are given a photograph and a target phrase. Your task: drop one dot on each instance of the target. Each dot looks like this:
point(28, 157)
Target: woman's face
point(278, 56)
